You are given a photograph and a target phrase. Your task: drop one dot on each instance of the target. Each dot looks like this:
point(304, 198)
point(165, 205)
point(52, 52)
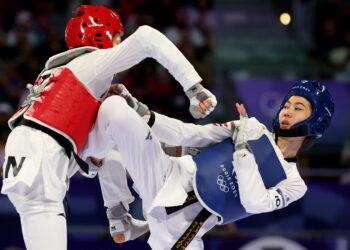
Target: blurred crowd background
point(250, 51)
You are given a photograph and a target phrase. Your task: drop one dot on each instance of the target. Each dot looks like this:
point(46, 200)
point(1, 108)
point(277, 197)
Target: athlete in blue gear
point(184, 197)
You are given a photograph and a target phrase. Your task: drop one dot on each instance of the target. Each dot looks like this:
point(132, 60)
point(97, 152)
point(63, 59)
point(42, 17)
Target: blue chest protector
point(216, 182)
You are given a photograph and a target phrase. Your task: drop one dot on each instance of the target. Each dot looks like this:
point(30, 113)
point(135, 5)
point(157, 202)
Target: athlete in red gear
point(53, 123)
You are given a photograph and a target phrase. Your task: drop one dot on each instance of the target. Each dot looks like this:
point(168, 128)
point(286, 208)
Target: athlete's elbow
point(303, 189)
point(298, 189)
point(145, 28)
point(144, 32)
point(255, 206)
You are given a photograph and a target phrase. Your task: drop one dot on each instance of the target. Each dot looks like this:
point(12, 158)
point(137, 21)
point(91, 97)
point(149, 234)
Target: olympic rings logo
point(222, 184)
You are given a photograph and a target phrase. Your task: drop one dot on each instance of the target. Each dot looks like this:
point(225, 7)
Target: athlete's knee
point(116, 111)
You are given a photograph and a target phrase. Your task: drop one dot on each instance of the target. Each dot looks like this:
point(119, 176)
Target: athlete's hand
point(247, 129)
point(121, 90)
point(202, 101)
point(240, 136)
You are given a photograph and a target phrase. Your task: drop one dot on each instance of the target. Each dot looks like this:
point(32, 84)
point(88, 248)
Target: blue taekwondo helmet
point(322, 110)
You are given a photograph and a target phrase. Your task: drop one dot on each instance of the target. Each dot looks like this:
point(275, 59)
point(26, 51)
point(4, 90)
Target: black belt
point(191, 198)
point(61, 140)
point(192, 230)
point(186, 238)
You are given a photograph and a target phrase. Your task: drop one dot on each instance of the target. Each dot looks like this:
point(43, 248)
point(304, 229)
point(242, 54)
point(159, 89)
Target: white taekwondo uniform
point(35, 179)
point(164, 181)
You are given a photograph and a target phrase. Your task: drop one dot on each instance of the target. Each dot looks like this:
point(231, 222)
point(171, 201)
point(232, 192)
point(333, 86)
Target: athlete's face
point(295, 110)
point(117, 38)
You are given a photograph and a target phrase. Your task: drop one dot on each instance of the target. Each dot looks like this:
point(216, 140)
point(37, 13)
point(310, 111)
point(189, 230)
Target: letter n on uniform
point(11, 161)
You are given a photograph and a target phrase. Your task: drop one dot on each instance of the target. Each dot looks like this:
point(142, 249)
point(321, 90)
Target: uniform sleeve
point(255, 198)
point(146, 42)
point(177, 133)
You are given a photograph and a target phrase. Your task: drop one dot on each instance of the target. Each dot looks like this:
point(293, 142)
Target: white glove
point(240, 135)
point(251, 128)
point(121, 90)
point(247, 129)
point(197, 94)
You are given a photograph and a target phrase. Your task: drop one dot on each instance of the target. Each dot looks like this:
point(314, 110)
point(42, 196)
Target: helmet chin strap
point(294, 132)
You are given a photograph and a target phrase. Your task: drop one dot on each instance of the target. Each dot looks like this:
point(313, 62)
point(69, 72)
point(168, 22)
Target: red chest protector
point(64, 105)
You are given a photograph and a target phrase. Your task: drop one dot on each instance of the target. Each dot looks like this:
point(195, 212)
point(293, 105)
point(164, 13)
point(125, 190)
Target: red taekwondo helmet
point(93, 26)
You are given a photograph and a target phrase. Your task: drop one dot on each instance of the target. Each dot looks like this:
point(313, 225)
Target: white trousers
point(119, 126)
point(113, 181)
point(149, 167)
point(35, 182)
